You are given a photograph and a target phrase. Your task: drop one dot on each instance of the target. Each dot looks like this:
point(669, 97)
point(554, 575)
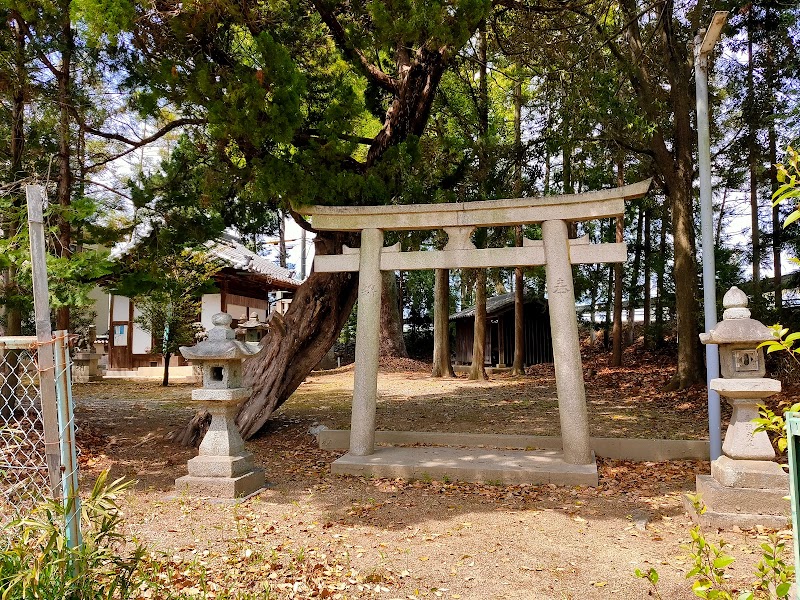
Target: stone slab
point(489, 370)
point(759, 474)
point(82, 378)
point(742, 507)
point(717, 520)
point(468, 464)
point(221, 395)
point(746, 388)
point(220, 466)
point(221, 487)
point(636, 449)
point(475, 258)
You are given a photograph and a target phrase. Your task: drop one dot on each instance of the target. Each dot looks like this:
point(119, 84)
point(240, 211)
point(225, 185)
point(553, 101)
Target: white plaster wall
point(121, 308)
point(142, 340)
point(237, 311)
point(100, 304)
point(262, 314)
point(209, 306)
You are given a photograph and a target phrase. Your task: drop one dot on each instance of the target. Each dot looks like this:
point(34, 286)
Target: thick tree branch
point(182, 122)
point(301, 221)
point(374, 73)
point(133, 145)
point(23, 24)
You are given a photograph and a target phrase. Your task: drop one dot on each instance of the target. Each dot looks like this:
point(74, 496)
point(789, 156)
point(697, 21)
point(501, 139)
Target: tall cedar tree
point(315, 102)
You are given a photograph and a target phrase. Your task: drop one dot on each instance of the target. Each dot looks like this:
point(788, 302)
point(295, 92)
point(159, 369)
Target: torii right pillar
point(566, 345)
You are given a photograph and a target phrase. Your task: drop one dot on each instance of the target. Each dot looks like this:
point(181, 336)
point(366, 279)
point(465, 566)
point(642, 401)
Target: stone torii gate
point(555, 251)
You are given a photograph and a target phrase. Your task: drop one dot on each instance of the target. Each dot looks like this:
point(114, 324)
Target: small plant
point(36, 562)
point(711, 562)
point(652, 576)
point(774, 575)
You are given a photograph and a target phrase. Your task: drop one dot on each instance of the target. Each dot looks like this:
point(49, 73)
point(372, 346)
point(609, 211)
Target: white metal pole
point(703, 44)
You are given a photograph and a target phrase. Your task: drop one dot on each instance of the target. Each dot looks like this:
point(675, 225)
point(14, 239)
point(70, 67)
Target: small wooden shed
point(499, 350)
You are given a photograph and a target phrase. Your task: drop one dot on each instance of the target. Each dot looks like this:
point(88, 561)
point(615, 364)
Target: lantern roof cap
point(220, 344)
point(736, 326)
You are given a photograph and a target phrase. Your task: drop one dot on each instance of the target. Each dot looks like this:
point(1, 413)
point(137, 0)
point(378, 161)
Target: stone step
point(742, 507)
point(468, 464)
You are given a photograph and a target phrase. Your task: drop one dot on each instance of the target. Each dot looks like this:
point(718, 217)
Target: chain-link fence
point(32, 466)
point(23, 465)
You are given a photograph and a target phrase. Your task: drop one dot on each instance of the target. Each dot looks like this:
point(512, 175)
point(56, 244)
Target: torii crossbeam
point(555, 251)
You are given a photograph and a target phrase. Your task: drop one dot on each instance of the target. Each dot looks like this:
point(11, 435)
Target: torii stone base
point(478, 465)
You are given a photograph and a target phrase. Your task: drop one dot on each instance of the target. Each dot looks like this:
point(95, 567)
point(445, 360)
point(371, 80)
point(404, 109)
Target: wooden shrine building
point(500, 332)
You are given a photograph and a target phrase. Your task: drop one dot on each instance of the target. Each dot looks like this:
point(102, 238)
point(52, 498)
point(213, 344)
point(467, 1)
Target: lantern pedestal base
point(221, 487)
point(741, 507)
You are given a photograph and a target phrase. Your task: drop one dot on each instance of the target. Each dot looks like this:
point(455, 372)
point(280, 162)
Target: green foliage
point(711, 562)
point(36, 563)
point(774, 574)
point(103, 18)
point(169, 308)
point(652, 577)
point(789, 178)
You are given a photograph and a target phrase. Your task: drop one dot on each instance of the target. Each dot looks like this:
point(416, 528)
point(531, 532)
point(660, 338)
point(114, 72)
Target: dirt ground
point(311, 534)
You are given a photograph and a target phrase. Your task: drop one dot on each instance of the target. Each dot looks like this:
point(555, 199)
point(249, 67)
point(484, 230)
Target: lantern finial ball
point(222, 319)
point(735, 304)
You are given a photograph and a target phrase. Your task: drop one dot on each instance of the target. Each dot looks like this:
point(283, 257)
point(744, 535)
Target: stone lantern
point(223, 468)
point(746, 487)
point(85, 360)
point(252, 330)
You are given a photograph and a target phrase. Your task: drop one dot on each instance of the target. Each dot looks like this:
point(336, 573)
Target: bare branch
point(107, 187)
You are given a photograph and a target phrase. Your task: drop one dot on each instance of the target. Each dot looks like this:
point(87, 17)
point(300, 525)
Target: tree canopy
point(172, 121)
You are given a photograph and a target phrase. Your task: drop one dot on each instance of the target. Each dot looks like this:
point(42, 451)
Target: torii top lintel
point(489, 213)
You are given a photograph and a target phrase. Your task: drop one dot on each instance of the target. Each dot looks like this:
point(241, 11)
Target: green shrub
point(36, 562)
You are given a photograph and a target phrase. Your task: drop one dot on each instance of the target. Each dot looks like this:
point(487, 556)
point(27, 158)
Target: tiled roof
point(235, 255)
point(494, 305)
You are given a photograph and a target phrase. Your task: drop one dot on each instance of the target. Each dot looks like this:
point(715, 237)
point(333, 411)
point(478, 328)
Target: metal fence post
point(793, 446)
point(66, 426)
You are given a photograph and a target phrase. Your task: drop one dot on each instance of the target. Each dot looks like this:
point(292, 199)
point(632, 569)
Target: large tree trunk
point(772, 143)
point(674, 161)
point(282, 238)
point(392, 343)
point(616, 348)
point(633, 288)
point(323, 303)
point(648, 250)
point(297, 342)
point(752, 160)
point(442, 366)
point(165, 380)
point(658, 334)
point(616, 331)
point(477, 370)
point(64, 190)
point(518, 366)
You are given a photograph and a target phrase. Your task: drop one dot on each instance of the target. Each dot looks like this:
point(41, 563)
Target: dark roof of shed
point(495, 305)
